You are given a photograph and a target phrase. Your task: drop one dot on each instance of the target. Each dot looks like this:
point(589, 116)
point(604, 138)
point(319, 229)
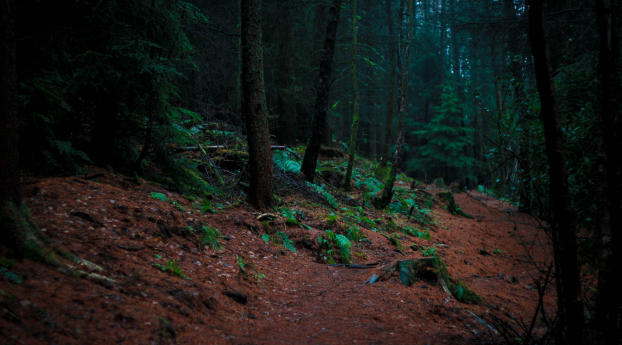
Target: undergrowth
point(335, 247)
point(171, 267)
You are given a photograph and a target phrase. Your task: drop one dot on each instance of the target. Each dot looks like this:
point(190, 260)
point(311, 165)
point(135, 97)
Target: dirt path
point(283, 298)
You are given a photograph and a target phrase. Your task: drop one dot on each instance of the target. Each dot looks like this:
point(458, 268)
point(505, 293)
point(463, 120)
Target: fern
point(210, 237)
point(344, 245)
point(290, 216)
point(330, 199)
point(283, 161)
point(332, 240)
point(287, 243)
point(355, 234)
point(420, 234)
point(171, 267)
point(159, 196)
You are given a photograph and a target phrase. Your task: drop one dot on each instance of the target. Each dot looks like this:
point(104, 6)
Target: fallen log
point(211, 148)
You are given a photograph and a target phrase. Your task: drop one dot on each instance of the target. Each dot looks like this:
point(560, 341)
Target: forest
point(310, 172)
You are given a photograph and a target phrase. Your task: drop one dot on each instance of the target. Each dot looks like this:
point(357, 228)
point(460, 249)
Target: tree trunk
point(391, 99)
point(520, 106)
point(405, 25)
point(254, 109)
point(9, 153)
point(17, 230)
point(309, 162)
point(356, 102)
point(608, 188)
point(285, 107)
point(563, 229)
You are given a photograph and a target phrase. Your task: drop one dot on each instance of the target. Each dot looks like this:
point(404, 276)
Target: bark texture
point(388, 131)
point(356, 104)
point(569, 305)
point(608, 313)
point(309, 162)
point(285, 102)
point(405, 25)
point(9, 154)
point(254, 107)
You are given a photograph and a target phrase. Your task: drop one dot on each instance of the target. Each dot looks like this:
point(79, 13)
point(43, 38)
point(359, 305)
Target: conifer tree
point(312, 151)
point(571, 327)
point(405, 25)
point(254, 107)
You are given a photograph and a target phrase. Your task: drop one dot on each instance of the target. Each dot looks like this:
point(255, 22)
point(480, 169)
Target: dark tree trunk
point(17, 230)
point(392, 79)
point(309, 162)
point(525, 189)
point(608, 198)
point(405, 25)
point(286, 109)
point(254, 109)
point(9, 153)
point(569, 304)
point(354, 128)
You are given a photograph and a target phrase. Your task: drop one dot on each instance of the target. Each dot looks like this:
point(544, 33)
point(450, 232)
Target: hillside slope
point(165, 280)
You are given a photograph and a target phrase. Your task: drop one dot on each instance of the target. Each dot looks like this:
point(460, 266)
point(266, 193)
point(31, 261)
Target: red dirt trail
point(118, 226)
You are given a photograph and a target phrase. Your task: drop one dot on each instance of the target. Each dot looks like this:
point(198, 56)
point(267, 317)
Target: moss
point(452, 207)
point(382, 172)
point(457, 288)
point(23, 236)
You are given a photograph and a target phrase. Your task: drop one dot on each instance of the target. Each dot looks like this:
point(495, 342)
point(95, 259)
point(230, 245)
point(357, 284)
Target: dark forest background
point(127, 83)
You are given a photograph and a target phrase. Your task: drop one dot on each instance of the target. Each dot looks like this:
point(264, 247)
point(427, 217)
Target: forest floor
point(156, 282)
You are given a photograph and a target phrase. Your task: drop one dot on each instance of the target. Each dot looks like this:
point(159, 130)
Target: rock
point(374, 278)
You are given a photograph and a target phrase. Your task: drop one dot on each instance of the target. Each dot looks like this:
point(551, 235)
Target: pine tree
point(445, 140)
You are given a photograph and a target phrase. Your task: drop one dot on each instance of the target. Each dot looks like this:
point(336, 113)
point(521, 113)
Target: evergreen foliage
point(99, 81)
point(446, 140)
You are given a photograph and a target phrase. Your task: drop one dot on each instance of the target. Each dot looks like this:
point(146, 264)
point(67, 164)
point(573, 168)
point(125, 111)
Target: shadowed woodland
point(310, 172)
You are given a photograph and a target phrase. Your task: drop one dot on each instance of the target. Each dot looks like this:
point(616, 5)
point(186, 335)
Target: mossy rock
point(411, 271)
point(431, 270)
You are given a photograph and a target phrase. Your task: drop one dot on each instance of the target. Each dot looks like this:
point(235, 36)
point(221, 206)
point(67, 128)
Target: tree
point(445, 140)
point(520, 107)
point(285, 76)
point(563, 229)
point(356, 103)
point(254, 107)
point(9, 154)
point(608, 187)
point(309, 162)
point(405, 25)
point(386, 149)
point(17, 229)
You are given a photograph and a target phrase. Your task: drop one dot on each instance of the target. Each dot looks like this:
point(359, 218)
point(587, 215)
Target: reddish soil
point(117, 225)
